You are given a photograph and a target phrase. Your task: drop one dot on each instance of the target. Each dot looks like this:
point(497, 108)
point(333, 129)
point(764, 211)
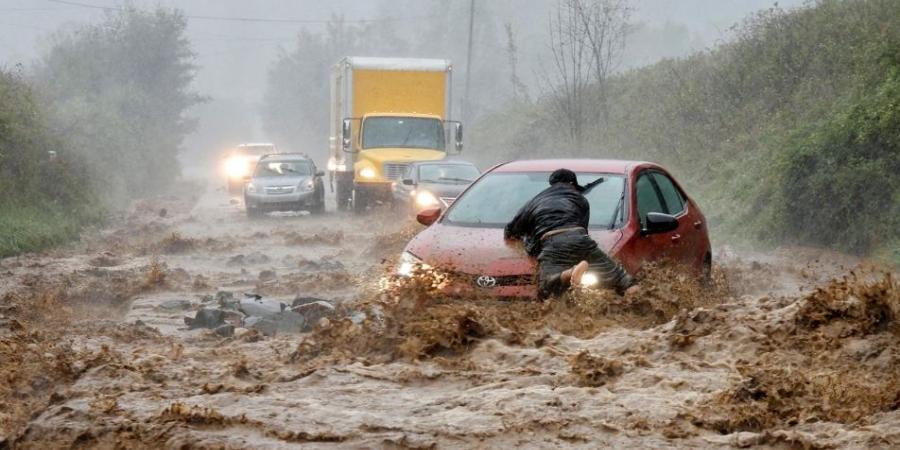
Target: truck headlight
point(409, 263)
point(426, 199)
point(367, 172)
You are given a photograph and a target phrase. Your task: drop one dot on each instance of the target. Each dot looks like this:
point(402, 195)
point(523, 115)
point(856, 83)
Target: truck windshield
point(403, 132)
point(494, 200)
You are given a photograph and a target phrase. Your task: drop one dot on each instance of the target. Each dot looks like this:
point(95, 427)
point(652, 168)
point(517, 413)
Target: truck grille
point(394, 171)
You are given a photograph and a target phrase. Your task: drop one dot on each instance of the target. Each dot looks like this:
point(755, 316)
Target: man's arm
point(520, 225)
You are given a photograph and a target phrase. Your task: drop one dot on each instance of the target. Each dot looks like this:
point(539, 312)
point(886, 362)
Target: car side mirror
point(346, 135)
point(458, 133)
point(428, 216)
point(320, 173)
point(659, 223)
point(408, 182)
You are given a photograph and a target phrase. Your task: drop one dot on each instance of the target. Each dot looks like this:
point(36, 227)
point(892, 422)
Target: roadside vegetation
point(789, 132)
point(109, 100)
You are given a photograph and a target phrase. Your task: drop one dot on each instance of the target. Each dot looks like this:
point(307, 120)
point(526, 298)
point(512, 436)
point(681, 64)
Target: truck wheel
point(343, 195)
point(359, 201)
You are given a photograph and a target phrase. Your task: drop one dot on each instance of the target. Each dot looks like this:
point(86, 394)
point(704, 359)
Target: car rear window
point(496, 198)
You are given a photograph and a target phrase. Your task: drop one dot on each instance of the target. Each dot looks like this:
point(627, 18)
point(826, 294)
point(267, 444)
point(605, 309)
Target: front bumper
point(263, 200)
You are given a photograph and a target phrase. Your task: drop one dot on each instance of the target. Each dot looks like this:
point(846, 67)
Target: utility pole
point(466, 104)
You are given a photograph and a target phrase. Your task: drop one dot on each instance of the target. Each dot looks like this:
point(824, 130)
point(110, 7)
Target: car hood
point(263, 182)
point(477, 251)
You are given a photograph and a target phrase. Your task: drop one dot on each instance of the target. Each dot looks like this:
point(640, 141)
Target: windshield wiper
point(460, 180)
point(615, 216)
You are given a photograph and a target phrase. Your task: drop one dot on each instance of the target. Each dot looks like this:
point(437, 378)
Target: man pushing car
point(553, 227)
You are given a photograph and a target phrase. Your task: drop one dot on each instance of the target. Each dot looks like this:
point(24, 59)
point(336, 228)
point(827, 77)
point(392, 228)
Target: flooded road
point(791, 348)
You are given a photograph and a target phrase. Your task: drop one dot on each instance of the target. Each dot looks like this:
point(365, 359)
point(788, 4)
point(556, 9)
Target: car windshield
point(403, 132)
point(283, 169)
point(447, 173)
point(496, 198)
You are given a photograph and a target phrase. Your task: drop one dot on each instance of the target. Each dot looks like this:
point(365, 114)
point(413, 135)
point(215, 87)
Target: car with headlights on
point(284, 182)
point(429, 184)
point(638, 213)
point(241, 160)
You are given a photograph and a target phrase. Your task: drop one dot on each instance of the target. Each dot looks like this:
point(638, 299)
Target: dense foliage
point(119, 91)
point(109, 99)
point(787, 133)
point(44, 199)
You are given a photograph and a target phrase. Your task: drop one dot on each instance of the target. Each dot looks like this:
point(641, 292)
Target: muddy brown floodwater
point(790, 348)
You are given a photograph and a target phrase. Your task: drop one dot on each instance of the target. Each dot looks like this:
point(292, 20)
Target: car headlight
point(251, 188)
point(409, 263)
point(236, 167)
point(426, 199)
point(307, 185)
point(589, 279)
point(367, 172)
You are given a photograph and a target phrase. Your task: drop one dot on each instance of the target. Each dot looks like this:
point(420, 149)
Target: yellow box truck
point(385, 114)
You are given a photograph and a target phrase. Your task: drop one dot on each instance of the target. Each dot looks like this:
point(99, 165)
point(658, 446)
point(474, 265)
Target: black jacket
point(561, 205)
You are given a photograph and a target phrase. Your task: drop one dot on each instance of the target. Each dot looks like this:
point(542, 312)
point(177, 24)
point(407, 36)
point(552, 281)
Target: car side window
point(647, 198)
point(674, 200)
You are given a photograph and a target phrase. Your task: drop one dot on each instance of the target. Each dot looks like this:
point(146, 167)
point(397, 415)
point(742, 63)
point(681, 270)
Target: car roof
point(286, 157)
point(576, 165)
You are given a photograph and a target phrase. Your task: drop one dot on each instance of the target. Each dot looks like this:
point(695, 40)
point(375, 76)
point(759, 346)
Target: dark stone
point(206, 318)
point(226, 330)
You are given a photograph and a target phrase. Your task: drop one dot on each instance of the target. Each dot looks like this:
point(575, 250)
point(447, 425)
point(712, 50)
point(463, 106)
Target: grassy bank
point(37, 227)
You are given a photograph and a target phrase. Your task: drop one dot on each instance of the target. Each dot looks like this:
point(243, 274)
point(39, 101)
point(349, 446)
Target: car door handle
point(676, 237)
point(698, 224)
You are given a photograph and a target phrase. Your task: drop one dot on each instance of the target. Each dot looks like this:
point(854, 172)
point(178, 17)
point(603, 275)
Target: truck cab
point(386, 113)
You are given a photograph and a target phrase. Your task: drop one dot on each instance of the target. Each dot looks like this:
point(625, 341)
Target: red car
point(638, 214)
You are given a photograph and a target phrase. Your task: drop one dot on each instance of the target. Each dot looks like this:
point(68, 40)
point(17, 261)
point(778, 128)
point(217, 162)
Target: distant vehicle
point(638, 214)
point(240, 162)
point(385, 114)
point(427, 184)
point(284, 182)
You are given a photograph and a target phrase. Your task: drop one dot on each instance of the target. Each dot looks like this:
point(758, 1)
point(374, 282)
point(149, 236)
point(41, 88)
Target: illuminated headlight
point(409, 263)
point(236, 167)
point(589, 279)
point(426, 199)
point(251, 188)
point(367, 172)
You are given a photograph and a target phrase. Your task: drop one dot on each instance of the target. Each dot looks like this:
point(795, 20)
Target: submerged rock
point(175, 305)
point(206, 318)
point(226, 330)
point(261, 307)
point(313, 312)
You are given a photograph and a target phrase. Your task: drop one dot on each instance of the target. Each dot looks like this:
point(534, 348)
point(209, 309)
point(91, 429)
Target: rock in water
point(175, 305)
point(261, 307)
point(226, 330)
point(313, 312)
point(265, 326)
point(206, 318)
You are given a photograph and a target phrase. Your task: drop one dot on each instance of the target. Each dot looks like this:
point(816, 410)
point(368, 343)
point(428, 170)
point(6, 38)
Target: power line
point(250, 19)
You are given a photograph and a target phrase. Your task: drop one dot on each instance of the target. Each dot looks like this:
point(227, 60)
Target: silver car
point(284, 182)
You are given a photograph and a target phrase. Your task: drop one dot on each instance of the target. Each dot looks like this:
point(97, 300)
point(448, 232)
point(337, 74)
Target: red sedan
point(639, 213)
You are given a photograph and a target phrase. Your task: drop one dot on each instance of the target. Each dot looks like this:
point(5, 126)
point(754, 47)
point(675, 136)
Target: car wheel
point(318, 208)
point(706, 275)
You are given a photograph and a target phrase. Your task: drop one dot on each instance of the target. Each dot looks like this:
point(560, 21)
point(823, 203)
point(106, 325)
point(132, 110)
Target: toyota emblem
point(486, 281)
